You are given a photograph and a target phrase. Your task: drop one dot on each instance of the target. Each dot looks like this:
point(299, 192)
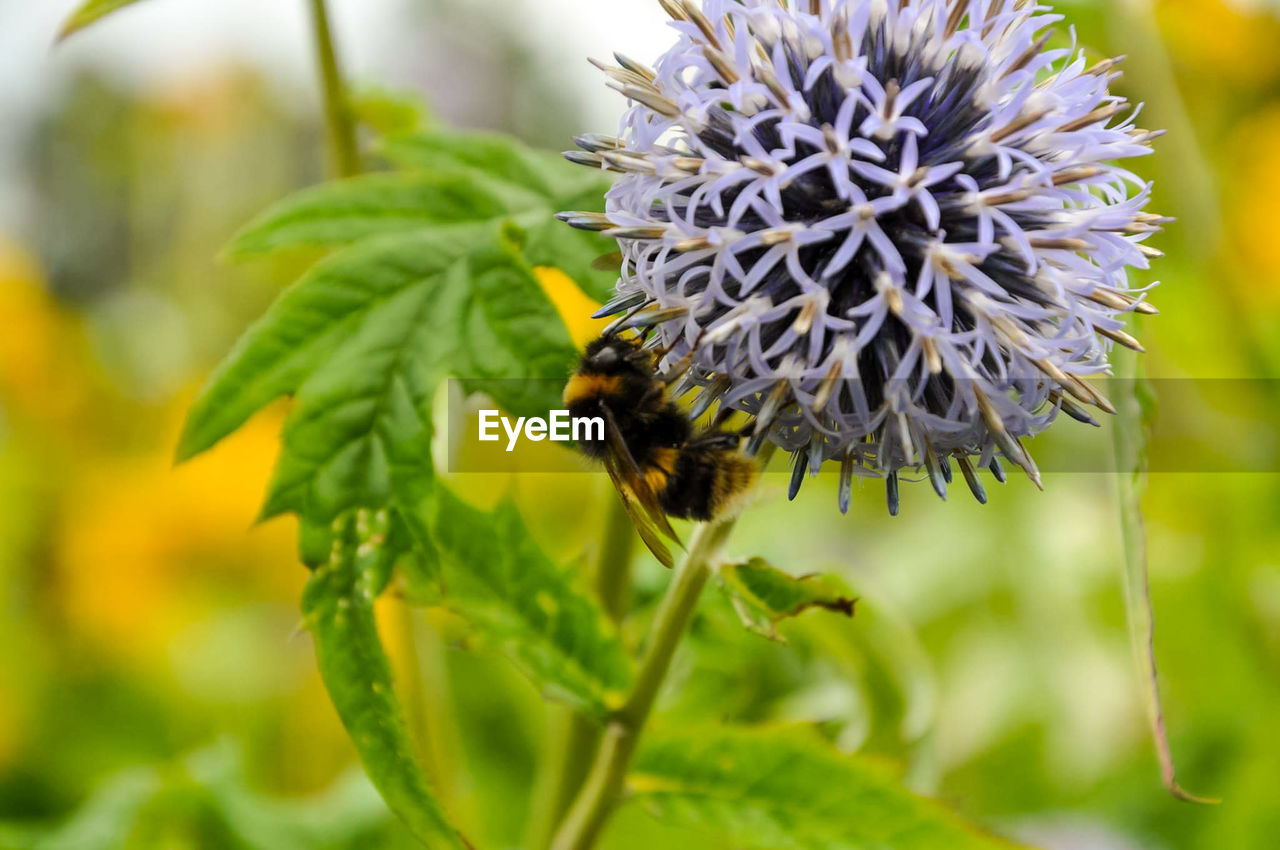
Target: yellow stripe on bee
point(665, 459)
point(582, 387)
point(656, 479)
point(659, 470)
point(732, 485)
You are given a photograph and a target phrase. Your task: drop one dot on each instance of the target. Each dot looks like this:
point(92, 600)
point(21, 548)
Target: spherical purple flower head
point(892, 232)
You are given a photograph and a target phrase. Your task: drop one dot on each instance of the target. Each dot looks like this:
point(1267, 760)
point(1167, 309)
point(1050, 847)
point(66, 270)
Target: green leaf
point(496, 156)
point(575, 252)
point(205, 800)
point(111, 813)
point(457, 197)
point(497, 577)
point(90, 12)
point(388, 111)
point(348, 814)
point(764, 595)
point(362, 342)
point(881, 659)
point(432, 277)
point(783, 788)
point(337, 605)
point(343, 212)
point(561, 185)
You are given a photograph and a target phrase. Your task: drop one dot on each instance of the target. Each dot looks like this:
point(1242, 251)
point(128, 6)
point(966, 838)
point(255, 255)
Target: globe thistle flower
point(894, 233)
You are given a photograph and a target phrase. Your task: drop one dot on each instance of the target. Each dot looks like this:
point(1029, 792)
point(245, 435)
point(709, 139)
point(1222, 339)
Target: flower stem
point(575, 735)
point(337, 110)
point(593, 806)
point(1128, 440)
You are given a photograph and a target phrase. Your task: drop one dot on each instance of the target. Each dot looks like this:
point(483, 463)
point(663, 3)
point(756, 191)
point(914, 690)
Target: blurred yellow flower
point(42, 362)
point(1220, 40)
point(135, 541)
point(143, 544)
point(1251, 201)
point(574, 306)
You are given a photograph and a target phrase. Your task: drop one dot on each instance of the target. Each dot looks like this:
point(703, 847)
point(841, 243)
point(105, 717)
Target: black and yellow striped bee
point(659, 464)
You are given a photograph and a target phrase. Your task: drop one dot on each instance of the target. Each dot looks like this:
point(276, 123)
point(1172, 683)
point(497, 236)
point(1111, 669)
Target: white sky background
point(169, 39)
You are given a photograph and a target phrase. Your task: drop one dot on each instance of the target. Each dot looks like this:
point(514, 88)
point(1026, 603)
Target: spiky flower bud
point(892, 232)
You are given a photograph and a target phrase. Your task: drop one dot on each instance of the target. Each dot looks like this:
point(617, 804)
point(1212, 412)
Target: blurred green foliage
point(141, 621)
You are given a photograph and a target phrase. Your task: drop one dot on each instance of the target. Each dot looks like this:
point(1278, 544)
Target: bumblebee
point(657, 462)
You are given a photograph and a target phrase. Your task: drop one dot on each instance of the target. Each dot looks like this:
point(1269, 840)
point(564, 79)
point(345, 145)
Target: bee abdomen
point(706, 483)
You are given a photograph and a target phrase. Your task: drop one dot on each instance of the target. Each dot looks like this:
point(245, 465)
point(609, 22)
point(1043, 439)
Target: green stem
point(337, 110)
point(1128, 439)
point(604, 785)
point(575, 736)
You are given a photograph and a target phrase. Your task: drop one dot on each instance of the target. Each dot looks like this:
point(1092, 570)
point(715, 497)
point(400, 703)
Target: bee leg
point(723, 414)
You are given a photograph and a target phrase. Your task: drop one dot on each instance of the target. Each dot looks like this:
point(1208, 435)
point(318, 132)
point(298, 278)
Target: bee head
point(612, 355)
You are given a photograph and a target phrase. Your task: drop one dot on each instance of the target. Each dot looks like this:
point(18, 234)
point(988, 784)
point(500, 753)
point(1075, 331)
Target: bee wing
point(640, 515)
point(634, 476)
point(637, 497)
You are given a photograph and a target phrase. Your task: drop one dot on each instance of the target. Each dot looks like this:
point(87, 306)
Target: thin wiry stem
point(1194, 192)
point(1128, 438)
point(337, 109)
